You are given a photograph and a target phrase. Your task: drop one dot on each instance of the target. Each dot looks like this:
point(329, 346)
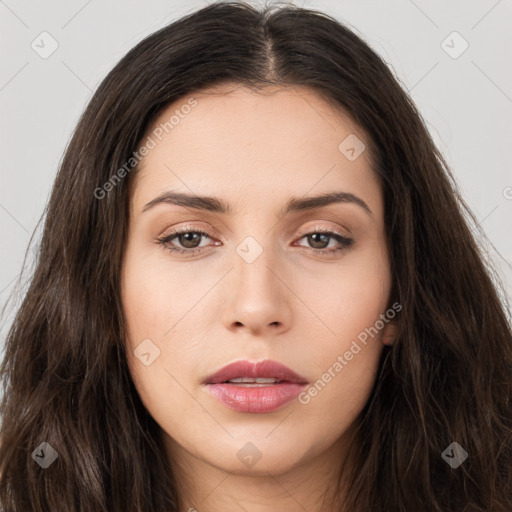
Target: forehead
point(232, 140)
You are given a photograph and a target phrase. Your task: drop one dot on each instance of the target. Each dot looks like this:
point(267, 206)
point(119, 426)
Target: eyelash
point(346, 242)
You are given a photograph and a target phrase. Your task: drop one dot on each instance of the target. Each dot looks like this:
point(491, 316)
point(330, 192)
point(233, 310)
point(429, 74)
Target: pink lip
point(259, 399)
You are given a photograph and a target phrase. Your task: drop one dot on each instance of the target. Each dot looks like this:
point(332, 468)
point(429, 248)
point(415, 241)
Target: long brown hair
point(447, 379)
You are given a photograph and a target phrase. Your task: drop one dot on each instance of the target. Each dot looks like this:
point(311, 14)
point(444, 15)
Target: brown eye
point(185, 241)
point(189, 240)
point(319, 241)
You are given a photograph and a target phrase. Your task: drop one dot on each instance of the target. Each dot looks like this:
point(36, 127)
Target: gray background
point(465, 101)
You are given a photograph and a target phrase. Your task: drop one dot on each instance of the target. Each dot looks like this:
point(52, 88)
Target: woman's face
point(255, 279)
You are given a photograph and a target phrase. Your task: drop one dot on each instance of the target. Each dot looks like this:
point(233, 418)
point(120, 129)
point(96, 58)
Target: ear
point(390, 333)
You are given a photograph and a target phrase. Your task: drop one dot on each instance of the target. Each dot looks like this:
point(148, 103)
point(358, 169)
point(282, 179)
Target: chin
point(257, 456)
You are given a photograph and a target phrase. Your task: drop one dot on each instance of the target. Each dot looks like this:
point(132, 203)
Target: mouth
point(264, 373)
point(261, 387)
point(248, 382)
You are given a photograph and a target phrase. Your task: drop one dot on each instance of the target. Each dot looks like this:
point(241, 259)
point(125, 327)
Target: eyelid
point(300, 233)
point(186, 228)
point(323, 229)
point(346, 242)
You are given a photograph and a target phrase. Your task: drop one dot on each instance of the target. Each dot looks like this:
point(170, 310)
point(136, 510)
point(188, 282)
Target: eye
point(190, 241)
point(320, 240)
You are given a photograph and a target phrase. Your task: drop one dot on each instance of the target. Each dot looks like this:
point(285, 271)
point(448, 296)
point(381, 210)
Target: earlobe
point(390, 333)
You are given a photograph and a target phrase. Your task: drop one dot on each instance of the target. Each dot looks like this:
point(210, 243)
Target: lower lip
point(255, 399)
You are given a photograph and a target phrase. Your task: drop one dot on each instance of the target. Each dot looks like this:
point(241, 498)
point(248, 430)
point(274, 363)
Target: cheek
point(345, 361)
point(332, 404)
point(163, 384)
point(155, 296)
point(156, 317)
point(350, 296)
point(161, 294)
point(168, 402)
point(344, 368)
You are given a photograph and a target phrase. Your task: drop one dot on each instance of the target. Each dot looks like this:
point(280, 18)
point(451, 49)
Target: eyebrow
point(216, 205)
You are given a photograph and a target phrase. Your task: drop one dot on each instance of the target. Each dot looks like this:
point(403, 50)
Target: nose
point(258, 296)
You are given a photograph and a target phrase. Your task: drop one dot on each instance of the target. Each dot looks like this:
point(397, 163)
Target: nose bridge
point(258, 297)
point(256, 250)
point(255, 263)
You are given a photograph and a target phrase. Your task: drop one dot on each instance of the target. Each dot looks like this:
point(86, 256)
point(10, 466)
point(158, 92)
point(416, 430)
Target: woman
point(256, 290)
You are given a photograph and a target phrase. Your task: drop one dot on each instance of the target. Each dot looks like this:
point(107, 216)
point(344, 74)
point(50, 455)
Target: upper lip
point(262, 369)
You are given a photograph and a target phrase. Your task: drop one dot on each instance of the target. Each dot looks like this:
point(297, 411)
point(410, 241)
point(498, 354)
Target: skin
point(255, 151)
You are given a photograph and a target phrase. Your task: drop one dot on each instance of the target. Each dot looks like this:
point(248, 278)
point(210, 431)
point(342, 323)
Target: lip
point(256, 399)
point(262, 369)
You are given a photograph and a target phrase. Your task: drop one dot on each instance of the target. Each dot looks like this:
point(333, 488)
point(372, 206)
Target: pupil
point(313, 240)
point(189, 240)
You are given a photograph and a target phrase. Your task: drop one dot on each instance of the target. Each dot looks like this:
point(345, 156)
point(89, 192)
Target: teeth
point(250, 380)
